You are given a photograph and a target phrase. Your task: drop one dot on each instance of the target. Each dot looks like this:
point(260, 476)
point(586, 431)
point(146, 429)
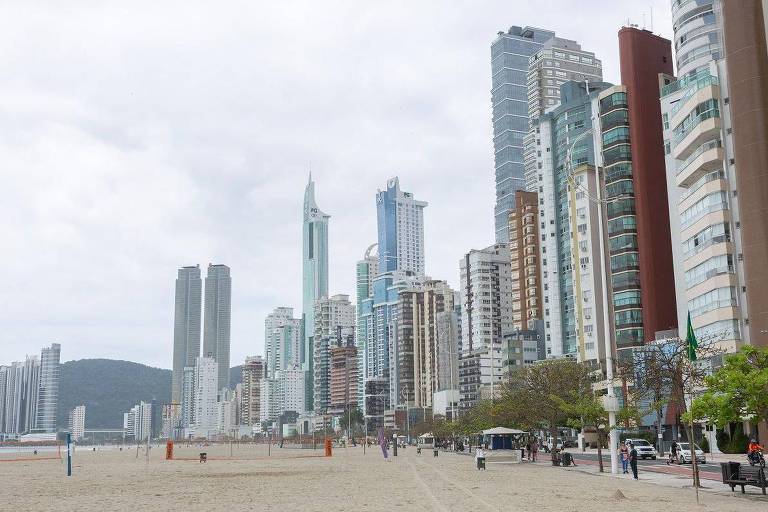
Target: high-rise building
point(704, 194)
point(558, 61)
point(510, 54)
point(400, 220)
point(525, 270)
point(571, 245)
point(448, 346)
point(226, 413)
point(366, 271)
point(270, 399)
point(315, 277)
point(334, 324)
point(644, 57)
point(77, 422)
point(486, 315)
point(206, 388)
point(253, 373)
point(218, 316)
point(283, 340)
point(48, 391)
point(188, 396)
point(417, 341)
point(343, 376)
point(291, 383)
point(186, 326)
point(22, 380)
point(746, 54)
point(138, 422)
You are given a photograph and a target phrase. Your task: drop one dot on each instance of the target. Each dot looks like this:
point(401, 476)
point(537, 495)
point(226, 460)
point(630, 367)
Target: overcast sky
point(137, 137)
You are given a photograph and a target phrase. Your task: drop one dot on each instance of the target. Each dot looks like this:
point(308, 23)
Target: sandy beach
point(303, 480)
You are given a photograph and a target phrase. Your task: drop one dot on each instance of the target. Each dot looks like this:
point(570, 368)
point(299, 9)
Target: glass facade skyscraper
point(510, 54)
point(218, 313)
point(186, 326)
point(315, 277)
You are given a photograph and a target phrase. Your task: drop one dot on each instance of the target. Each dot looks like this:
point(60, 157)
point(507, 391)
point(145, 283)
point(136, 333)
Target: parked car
point(645, 450)
point(548, 445)
point(685, 457)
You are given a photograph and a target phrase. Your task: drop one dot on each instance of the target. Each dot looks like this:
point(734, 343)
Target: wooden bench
point(741, 474)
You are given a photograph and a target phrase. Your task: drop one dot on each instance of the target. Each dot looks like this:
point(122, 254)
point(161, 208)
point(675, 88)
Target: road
point(662, 461)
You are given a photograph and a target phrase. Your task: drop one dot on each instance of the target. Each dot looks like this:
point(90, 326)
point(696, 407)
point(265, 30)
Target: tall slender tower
point(48, 391)
point(510, 54)
point(186, 327)
point(315, 276)
point(218, 313)
point(400, 220)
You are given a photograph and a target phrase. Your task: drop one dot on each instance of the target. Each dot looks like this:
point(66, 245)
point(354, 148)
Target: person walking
point(633, 460)
point(528, 450)
point(674, 449)
point(534, 449)
point(624, 454)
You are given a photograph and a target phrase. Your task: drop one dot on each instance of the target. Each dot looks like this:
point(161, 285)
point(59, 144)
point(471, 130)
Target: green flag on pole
point(691, 340)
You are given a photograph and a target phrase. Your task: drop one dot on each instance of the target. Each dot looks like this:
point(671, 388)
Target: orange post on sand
point(328, 449)
point(169, 450)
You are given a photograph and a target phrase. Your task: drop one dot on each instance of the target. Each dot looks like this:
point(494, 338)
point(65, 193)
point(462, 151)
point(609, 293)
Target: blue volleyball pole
point(69, 454)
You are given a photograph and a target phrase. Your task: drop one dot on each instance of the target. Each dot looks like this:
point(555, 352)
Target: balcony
point(706, 158)
point(707, 126)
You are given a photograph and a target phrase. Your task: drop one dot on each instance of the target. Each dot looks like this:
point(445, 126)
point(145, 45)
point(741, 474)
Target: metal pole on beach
point(69, 454)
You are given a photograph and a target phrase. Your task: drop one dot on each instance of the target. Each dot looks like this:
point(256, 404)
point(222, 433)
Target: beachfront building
point(400, 221)
point(571, 245)
point(417, 340)
point(206, 382)
point(48, 389)
point(218, 313)
point(77, 422)
point(343, 373)
point(334, 320)
point(291, 390)
point(314, 278)
point(510, 54)
point(365, 272)
point(186, 326)
point(558, 61)
point(713, 115)
point(253, 373)
point(524, 253)
point(283, 340)
point(486, 315)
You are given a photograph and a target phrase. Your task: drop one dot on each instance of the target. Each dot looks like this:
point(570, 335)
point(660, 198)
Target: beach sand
point(303, 480)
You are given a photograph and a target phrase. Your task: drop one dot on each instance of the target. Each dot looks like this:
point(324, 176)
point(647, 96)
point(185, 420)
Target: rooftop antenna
point(643, 21)
point(651, 18)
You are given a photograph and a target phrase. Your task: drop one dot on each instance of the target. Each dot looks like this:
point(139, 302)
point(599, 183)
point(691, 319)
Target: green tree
point(738, 390)
point(534, 395)
point(355, 417)
point(587, 411)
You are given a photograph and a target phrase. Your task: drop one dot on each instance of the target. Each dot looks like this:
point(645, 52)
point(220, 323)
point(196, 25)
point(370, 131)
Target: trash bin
point(567, 459)
point(729, 470)
point(203, 457)
point(434, 452)
point(481, 463)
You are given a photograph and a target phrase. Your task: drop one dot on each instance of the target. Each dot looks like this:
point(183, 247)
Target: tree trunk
point(600, 450)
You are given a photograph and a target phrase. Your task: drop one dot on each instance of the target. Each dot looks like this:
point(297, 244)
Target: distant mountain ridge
point(109, 388)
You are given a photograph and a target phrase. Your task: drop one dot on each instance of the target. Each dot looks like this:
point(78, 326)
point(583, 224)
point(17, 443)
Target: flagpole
point(692, 441)
point(691, 346)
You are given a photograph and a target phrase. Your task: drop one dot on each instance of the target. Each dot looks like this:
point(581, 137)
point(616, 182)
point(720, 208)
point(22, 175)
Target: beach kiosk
point(503, 443)
point(425, 441)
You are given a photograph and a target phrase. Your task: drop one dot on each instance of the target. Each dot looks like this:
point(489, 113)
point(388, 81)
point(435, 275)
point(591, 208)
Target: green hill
point(109, 388)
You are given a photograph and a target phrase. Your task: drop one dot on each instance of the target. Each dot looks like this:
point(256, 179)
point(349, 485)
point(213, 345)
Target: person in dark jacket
point(633, 460)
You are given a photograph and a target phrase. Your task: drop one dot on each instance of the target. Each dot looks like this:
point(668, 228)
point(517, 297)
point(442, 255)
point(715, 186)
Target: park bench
point(735, 474)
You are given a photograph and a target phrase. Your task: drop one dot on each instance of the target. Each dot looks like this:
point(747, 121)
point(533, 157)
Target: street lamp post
point(610, 402)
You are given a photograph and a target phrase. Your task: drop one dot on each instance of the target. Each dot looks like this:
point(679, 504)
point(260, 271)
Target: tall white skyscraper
point(218, 313)
point(186, 327)
point(206, 395)
point(48, 391)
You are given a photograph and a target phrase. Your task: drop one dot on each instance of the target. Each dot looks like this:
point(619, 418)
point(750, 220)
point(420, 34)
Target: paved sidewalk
point(667, 476)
